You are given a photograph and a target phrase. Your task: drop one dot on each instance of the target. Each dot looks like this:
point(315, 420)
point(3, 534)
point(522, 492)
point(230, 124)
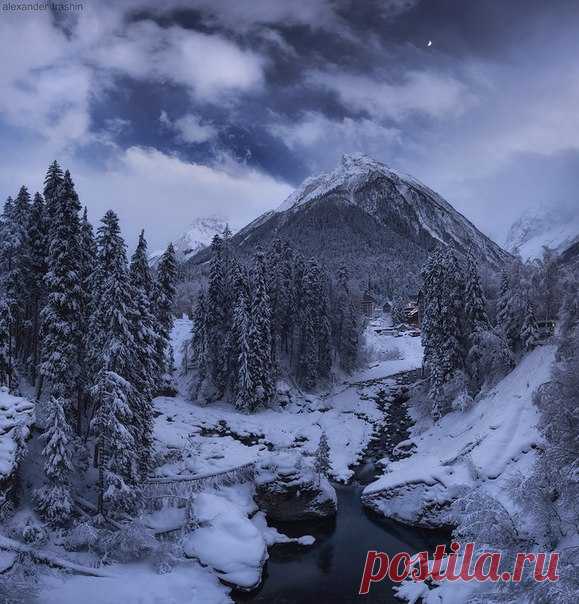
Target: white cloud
point(41, 88)
point(353, 134)
point(432, 94)
point(189, 128)
point(48, 80)
point(161, 192)
point(207, 65)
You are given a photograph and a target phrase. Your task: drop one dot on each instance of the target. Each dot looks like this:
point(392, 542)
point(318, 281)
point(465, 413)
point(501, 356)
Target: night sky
point(166, 111)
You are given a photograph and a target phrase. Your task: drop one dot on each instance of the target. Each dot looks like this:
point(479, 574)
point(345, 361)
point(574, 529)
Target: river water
point(330, 570)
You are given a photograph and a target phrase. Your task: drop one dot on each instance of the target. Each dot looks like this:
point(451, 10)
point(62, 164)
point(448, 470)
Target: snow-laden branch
point(49, 558)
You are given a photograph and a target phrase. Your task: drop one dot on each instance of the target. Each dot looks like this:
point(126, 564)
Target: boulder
point(289, 490)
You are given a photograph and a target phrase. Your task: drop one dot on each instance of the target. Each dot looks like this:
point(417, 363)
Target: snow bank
point(484, 445)
point(137, 584)
point(227, 541)
point(16, 417)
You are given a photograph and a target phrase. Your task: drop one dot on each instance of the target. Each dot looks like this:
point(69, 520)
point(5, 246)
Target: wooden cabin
point(412, 314)
point(368, 304)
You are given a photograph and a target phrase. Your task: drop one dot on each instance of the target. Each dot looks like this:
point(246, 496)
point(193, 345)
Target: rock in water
point(288, 490)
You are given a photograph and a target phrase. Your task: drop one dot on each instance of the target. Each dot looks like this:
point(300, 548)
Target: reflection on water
point(330, 570)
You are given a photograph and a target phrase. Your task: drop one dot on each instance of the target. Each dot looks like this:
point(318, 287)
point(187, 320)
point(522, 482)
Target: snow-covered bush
point(481, 519)
point(34, 534)
point(489, 359)
point(131, 543)
point(398, 311)
point(456, 391)
point(83, 536)
point(53, 503)
point(18, 586)
point(165, 558)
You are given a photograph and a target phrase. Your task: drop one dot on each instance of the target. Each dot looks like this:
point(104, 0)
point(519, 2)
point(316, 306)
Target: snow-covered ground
point(347, 413)
point(232, 539)
point(138, 584)
point(485, 445)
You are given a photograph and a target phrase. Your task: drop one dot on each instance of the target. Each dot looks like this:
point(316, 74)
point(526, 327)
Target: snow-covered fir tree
point(475, 312)
point(280, 260)
point(197, 348)
point(347, 327)
point(244, 387)
point(114, 355)
point(118, 473)
point(145, 335)
point(88, 255)
point(164, 299)
point(145, 331)
point(322, 460)
point(216, 319)
point(260, 336)
point(511, 304)
point(398, 310)
point(53, 500)
point(61, 330)
point(6, 370)
point(443, 335)
point(38, 250)
point(52, 183)
point(529, 329)
point(315, 347)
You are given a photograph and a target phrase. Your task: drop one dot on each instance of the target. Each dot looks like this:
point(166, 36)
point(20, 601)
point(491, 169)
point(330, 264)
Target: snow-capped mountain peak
point(197, 237)
point(541, 226)
point(353, 168)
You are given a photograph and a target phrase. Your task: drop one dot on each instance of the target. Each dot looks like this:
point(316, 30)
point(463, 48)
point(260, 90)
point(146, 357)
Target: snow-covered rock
point(227, 541)
point(538, 227)
point(16, 417)
point(288, 490)
point(485, 445)
point(197, 237)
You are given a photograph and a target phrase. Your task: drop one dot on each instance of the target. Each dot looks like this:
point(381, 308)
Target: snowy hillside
point(540, 227)
point(486, 445)
point(197, 236)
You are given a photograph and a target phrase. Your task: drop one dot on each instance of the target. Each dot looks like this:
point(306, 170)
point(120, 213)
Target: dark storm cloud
point(214, 94)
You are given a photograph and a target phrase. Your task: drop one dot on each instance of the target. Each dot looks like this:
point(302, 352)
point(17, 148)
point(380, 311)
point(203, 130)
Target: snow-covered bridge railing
point(179, 489)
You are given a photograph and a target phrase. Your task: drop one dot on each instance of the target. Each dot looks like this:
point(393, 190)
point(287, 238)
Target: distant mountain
point(379, 222)
point(539, 227)
point(197, 237)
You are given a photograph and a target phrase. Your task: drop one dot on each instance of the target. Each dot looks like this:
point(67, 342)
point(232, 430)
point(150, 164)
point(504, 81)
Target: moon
point(429, 43)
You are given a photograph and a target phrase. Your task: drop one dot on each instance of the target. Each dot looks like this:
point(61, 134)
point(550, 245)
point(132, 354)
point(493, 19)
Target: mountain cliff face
point(539, 227)
point(380, 223)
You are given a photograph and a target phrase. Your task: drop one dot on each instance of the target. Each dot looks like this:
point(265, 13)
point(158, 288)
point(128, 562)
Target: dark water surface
point(329, 571)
